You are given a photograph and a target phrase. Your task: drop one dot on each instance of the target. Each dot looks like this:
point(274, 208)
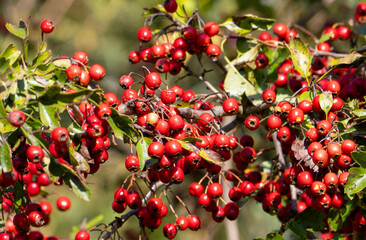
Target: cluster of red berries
point(28, 171)
point(169, 56)
point(80, 73)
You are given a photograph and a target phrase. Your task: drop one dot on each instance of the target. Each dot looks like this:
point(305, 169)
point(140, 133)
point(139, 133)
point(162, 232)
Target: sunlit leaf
point(349, 59)
point(122, 125)
point(326, 102)
point(19, 31)
point(356, 181)
point(236, 85)
point(141, 148)
point(54, 97)
point(5, 159)
point(300, 55)
point(359, 157)
point(250, 22)
point(325, 37)
point(49, 116)
point(79, 188)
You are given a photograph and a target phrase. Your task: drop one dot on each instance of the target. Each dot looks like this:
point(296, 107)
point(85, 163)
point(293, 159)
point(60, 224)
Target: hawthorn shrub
point(57, 125)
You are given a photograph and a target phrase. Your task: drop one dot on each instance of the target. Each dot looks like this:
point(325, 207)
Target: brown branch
point(202, 78)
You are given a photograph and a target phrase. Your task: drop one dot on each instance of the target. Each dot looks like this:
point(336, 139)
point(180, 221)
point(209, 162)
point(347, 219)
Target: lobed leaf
point(250, 22)
point(18, 31)
point(121, 126)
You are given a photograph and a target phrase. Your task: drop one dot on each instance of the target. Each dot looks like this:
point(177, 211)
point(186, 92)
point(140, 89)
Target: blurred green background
point(106, 30)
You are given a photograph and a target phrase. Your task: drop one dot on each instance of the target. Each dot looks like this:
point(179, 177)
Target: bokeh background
point(106, 30)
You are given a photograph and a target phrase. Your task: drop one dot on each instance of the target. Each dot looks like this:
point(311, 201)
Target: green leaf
point(62, 63)
point(274, 236)
point(19, 31)
point(5, 159)
point(141, 148)
point(5, 126)
point(242, 45)
point(309, 219)
point(305, 96)
point(359, 157)
point(231, 26)
point(326, 102)
point(348, 209)
point(94, 221)
point(250, 22)
point(356, 181)
point(78, 160)
point(49, 116)
point(246, 57)
point(190, 139)
point(236, 85)
point(8, 57)
point(55, 98)
point(79, 188)
point(122, 125)
point(300, 55)
point(325, 37)
point(41, 58)
point(361, 113)
point(334, 220)
point(349, 59)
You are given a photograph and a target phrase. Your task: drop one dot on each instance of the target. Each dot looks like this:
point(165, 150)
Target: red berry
point(214, 190)
point(35, 219)
point(46, 207)
point(261, 61)
point(156, 150)
point(82, 235)
point(134, 57)
point(132, 163)
point(63, 203)
point(348, 146)
point(126, 81)
point(144, 34)
point(195, 189)
point(295, 116)
point(324, 127)
point(170, 6)
point(170, 230)
point(304, 179)
point(17, 118)
point(81, 57)
point(96, 72)
point(194, 223)
point(211, 29)
point(318, 188)
point(321, 158)
point(323, 46)
point(73, 73)
point(152, 80)
point(280, 30)
point(269, 96)
point(264, 36)
point(35, 154)
point(284, 134)
point(274, 122)
point(213, 51)
point(252, 123)
point(47, 26)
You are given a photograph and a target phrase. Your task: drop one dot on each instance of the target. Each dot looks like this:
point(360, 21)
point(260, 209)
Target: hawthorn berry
point(144, 34)
point(170, 6)
point(82, 235)
point(63, 203)
point(17, 118)
point(96, 72)
point(47, 26)
point(269, 96)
